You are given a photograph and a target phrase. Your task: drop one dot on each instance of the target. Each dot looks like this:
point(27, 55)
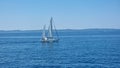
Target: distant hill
point(95, 31)
point(67, 31)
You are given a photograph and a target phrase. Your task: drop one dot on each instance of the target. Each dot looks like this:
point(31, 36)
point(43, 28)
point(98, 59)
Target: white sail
point(44, 33)
point(51, 28)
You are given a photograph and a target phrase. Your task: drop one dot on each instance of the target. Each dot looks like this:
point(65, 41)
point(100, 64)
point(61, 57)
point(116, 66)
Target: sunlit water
point(24, 50)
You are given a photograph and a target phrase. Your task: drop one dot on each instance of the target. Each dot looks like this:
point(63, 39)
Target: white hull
point(50, 40)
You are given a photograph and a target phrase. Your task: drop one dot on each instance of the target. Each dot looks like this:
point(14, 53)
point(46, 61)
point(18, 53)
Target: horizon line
point(59, 29)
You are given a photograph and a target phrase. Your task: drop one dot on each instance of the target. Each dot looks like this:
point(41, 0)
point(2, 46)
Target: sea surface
point(76, 49)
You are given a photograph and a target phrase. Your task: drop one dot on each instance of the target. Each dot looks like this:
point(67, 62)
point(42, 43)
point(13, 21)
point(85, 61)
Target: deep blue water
point(74, 50)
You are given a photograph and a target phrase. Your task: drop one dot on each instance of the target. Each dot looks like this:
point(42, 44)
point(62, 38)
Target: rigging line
point(56, 31)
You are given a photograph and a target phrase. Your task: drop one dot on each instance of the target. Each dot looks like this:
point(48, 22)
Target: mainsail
point(51, 28)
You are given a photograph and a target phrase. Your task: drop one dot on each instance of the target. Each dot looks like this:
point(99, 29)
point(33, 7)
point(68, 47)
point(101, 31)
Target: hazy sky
point(67, 14)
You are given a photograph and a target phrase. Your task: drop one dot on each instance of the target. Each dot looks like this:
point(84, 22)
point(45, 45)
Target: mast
point(51, 28)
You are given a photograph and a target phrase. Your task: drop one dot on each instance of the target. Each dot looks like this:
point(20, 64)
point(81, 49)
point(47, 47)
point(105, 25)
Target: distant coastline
point(69, 31)
point(99, 29)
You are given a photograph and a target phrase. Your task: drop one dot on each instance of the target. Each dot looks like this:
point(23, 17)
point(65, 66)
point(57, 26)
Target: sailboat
point(48, 37)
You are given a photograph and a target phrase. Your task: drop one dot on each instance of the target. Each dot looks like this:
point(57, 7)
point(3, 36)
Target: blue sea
point(76, 49)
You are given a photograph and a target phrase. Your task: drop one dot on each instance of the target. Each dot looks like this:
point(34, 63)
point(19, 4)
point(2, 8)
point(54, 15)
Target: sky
point(67, 14)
